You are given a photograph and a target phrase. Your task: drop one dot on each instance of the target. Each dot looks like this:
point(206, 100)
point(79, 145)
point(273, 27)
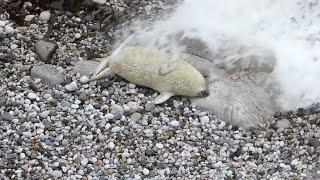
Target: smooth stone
point(315, 142)
point(135, 117)
point(45, 49)
point(48, 74)
point(32, 96)
point(44, 16)
point(6, 116)
point(85, 67)
point(150, 106)
point(71, 87)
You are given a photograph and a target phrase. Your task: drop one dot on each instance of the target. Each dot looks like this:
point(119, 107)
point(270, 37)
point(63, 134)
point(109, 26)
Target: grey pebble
point(6, 116)
point(65, 103)
point(150, 106)
point(314, 142)
point(135, 117)
point(45, 49)
point(48, 74)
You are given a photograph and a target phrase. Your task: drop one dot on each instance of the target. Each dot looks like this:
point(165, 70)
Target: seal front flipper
point(162, 97)
point(167, 68)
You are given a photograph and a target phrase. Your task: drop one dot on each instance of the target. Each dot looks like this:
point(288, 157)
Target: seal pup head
point(198, 85)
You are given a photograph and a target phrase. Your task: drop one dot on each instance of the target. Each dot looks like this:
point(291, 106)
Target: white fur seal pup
point(161, 71)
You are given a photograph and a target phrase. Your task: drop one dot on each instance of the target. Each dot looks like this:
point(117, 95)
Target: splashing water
point(290, 28)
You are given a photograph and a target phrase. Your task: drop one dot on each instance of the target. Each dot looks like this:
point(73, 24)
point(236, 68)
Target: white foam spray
point(291, 28)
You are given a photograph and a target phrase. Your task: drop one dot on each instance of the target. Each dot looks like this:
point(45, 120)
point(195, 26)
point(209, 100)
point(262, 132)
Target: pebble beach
point(55, 125)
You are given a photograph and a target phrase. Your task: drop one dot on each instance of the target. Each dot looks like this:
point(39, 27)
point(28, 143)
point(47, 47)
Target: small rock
point(205, 120)
point(2, 23)
point(159, 145)
point(100, 1)
point(77, 35)
point(48, 74)
point(71, 87)
point(84, 79)
point(315, 142)
point(85, 68)
point(65, 103)
point(6, 116)
point(133, 106)
point(57, 173)
point(111, 145)
point(145, 171)
point(29, 18)
point(294, 162)
point(109, 116)
point(116, 129)
point(84, 161)
point(117, 109)
point(148, 8)
point(32, 96)
point(135, 117)
point(44, 16)
point(83, 96)
point(283, 124)
point(174, 123)
point(45, 49)
point(9, 30)
point(150, 106)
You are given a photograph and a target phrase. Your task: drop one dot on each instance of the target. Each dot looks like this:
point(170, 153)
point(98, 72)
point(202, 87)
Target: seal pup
point(162, 71)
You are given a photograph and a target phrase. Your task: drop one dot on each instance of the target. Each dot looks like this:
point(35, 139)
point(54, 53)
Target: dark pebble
point(314, 142)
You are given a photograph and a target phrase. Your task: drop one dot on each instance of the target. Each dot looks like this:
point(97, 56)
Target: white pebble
point(148, 8)
point(44, 16)
point(111, 145)
point(145, 171)
point(15, 121)
point(105, 93)
point(132, 86)
point(107, 126)
point(8, 30)
point(57, 173)
point(84, 161)
point(159, 145)
point(22, 155)
point(90, 137)
point(205, 119)
point(77, 35)
point(71, 87)
point(294, 162)
point(109, 116)
point(84, 79)
point(2, 23)
point(100, 1)
point(13, 46)
point(28, 17)
point(174, 123)
point(45, 114)
point(74, 106)
point(116, 129)
point(32, 96)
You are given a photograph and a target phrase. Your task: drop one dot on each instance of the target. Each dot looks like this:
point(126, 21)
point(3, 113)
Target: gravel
point(109, 129)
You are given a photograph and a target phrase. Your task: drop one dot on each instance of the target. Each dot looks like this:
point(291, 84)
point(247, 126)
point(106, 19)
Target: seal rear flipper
point(163, 97)
point(104, 62)
point(103, 74)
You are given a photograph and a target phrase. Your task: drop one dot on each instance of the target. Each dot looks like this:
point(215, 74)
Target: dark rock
point(6, 116)
point(315, 142)
point(45, 49)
